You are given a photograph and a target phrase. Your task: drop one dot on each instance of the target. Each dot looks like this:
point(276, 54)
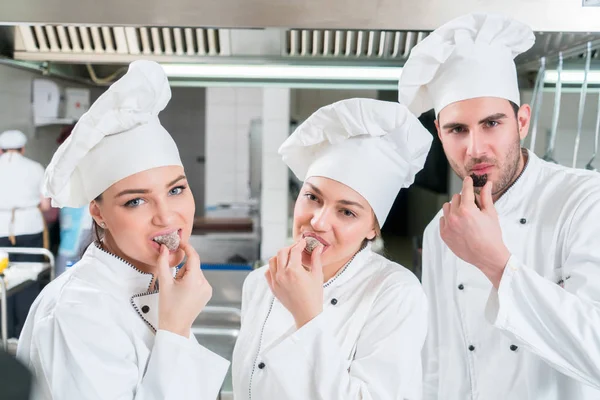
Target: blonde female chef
point(102, 330)
point(342, 323)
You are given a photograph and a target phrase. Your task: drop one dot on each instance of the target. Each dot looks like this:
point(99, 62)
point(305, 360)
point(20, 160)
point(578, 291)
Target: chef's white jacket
point(538, 335)
point(21, 181)
point(92, 334)
point(365, 344)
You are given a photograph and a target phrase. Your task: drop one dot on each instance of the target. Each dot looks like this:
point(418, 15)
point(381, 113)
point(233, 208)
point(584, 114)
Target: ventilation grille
point(158, 41)
point(352, 43)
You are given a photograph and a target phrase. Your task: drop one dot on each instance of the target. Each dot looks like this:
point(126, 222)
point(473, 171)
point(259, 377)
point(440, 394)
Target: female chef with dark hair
point(103, 329)
point(328, 318)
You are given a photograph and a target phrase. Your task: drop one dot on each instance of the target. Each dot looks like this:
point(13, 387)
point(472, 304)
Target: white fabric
point(471, 56)
point(86, 337)
point(367, 346)
point(556, 329)
point(21, 181)
point(372, 146)
point(12, 140)
point(119, 136)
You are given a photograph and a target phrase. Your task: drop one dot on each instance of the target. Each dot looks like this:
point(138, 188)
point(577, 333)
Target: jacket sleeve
point(81, 356)
point(431, 261)
point(309, 364)
point(559, 324)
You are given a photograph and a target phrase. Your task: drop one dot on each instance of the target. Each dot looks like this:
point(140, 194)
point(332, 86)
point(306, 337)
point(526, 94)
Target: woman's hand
point(298, 289)
point(182, 298)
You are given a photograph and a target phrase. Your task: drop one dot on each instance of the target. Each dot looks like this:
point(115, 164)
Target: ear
point(371, 235)
point(523, 120)
point(437, 128)
point(95, 212)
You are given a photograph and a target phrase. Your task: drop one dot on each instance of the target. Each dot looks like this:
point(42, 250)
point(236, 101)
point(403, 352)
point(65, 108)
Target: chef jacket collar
point(351, 268)
point(132, 282)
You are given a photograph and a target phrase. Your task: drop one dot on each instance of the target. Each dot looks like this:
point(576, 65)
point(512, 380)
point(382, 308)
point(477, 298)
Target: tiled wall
point(229, 112)
point(274, 196)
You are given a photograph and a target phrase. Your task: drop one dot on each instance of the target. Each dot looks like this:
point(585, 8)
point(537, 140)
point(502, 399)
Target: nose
point(476, 147)
point(321, 220)
point(163, 214)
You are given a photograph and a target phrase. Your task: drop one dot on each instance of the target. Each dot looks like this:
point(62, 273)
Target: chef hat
point(471, 56)
point(10, 140)
point(374, 147)
point(119, 136)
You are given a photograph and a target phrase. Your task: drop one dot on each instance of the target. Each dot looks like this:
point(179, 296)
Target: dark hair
point(97, 231)
point(515, 108)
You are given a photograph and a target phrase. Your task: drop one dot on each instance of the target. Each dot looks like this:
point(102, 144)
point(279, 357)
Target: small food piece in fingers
point(311, 244)
point(171, 241)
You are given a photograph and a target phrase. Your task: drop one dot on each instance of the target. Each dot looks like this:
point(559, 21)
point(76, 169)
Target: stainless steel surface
point(537, 101)
point(582, 99)
point(34, 251)
point(573, 47)
point(549, 156)
point(218, 325)
point(541, 15)
point(590, 165)
point(3, 296)
point(3, 321)
point(221, 248)
point(171, 44)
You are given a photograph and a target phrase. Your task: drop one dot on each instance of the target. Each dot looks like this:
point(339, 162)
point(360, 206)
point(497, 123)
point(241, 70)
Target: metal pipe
point(590, 164)
point(43, 69)
point(549, 156)
point(582, 103)
point(537, 102)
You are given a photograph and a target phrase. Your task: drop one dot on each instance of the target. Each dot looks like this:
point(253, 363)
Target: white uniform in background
point(538, 335)
point(93, 332)
point(21, 181)
point(366, 344)
point(93, 335)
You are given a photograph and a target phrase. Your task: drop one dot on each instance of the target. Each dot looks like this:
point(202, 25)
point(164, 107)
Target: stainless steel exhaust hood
point(409, 15)
point(260, 32)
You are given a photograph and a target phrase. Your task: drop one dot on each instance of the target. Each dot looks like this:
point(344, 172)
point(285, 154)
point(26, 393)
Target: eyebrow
point(344, 202)
point(453, 125)
point(146, 191)
point(494, 117)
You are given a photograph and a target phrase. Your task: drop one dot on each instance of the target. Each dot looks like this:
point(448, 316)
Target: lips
point(481, 168)
point(314, 235)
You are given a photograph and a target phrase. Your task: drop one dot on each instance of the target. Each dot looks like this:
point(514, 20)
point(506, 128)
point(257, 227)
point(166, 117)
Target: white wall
point(16, 112)
point(229, 112)
point(275, 186)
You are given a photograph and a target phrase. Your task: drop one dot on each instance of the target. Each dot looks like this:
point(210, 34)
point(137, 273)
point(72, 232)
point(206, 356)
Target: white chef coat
point(91, 334)
point(21, 181)
point(365, 344)
point(538, 335)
